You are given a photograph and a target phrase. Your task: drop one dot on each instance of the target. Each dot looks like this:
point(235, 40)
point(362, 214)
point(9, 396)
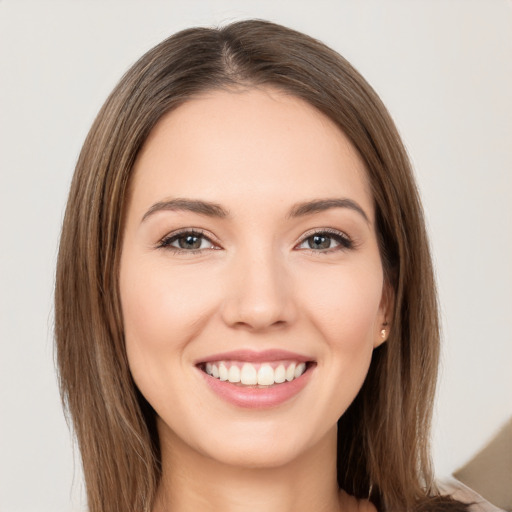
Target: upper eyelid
point(206, 234)
point(195, 231)
point(328, 231)
point(331, 231)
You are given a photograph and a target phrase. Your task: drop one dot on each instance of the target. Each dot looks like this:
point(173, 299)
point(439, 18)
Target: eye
point(326, 241)
point(191, 241)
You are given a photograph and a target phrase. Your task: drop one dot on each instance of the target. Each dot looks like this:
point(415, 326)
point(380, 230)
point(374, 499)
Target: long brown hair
point(383, 438)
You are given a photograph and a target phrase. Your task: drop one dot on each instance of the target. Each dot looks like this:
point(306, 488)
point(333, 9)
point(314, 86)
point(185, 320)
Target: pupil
point(190, 242)
point(320, 242)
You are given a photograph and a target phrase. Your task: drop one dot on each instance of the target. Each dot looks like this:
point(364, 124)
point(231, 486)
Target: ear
point(386, 308)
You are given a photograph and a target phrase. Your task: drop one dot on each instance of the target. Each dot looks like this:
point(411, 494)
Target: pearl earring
point(383, 334)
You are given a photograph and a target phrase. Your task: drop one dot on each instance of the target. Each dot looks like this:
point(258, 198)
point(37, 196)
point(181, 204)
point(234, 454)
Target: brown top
point(461, 492)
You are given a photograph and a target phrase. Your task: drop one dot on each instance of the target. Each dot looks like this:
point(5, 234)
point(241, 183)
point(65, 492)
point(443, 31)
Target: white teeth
point(299, 370)
point(279, 374)
point(265, 375)
point(290, 372)
point(223, 372)
point(248, 375)
point(234, 374)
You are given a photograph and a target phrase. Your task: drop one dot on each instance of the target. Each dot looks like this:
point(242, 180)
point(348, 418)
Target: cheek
point(345, 310)
point(159, 304)
point(344, 304)
point(346, 313)
point(163, 309)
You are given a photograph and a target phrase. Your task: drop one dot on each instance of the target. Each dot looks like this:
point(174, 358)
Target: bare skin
point(258, 277)
point(200, 484)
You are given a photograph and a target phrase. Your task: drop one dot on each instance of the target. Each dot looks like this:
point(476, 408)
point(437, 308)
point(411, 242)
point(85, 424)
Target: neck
point(192, 481)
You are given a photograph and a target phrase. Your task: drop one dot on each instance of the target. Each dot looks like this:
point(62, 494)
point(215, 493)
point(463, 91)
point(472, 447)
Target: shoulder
point(461, 492)
point(365, 506)
point(352, 504)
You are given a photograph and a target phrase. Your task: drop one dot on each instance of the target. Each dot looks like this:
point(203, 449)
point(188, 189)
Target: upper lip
point(253, 356)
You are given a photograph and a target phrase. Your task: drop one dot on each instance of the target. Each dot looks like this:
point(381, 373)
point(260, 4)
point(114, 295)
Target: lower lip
point(251, 397)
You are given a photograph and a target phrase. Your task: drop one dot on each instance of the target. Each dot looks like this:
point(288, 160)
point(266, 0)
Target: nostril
point(258, 323)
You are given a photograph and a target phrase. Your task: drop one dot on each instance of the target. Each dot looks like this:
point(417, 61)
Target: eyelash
point(344, 242)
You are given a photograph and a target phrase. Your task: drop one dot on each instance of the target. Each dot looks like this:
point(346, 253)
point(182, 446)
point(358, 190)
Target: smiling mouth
point(249, 374)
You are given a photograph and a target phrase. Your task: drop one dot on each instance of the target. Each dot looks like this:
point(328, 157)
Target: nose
point(259, 293)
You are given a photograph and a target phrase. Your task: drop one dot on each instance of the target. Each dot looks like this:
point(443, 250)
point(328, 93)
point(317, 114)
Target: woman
point(245, 305)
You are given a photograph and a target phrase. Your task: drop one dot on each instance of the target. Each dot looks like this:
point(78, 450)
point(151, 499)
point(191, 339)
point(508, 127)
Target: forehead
point(241, 144)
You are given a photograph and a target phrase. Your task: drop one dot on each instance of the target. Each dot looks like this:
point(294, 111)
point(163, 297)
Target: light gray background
point(444, 69)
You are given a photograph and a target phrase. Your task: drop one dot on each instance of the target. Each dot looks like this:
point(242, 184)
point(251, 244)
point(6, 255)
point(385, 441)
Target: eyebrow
point(191, 205)
point(320, 205)
point(210, 209)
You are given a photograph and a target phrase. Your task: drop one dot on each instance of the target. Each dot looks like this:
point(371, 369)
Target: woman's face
point(250, 253)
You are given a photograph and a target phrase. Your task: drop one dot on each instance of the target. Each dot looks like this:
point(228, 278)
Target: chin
point(258, 445)
point(257, 455)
